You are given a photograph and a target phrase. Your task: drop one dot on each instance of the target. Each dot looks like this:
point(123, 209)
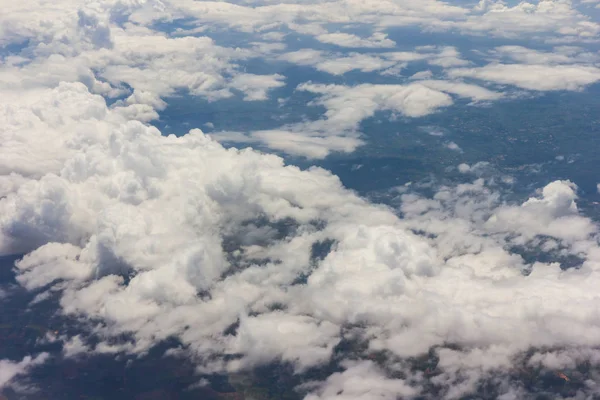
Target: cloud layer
point(160, 237)
point(247, 261)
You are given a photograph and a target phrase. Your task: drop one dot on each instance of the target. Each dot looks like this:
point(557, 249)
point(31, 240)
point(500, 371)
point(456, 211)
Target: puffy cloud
point(11, 369)
point(552, 18)
point(361, 62)
point(348, 106)
point(559, 55)
point(162, 236)
point(554, 214)
point(392, 62)
point(447, 57)
point(350, 40)
point(304, 145)
point(299, 140)
point(255, 87)
point(300, 340)
point(113, 60)
point(453, 146)
point(362, 380)
point(545, 19)
point(533, 77)
point(247, 261)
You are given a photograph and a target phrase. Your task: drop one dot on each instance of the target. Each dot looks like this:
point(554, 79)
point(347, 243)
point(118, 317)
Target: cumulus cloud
point(533, 77)
point(553, 18)
point(392, 62)
point(114, 60)
point(11, 369)
point(547, 19)
point(362, 381)
point(559, 55)
point(453, 146)
point(555, 214)
point(247, 261)
point(350, 40)
point(162, 236)
point(255, 87)
point(361, 62)
point(347, 106)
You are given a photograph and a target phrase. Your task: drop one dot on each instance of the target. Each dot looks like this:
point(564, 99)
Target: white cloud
point(555, 214)
point(303, 57)
point(106, 57)
point(179, 218)
point(255, 87)
point(351, 40)
point(11, 369)
point(347, 106)
point(337, 64)
point(544, 20)
point(300, 340)
point(393, 61)
point(362, 380)
point(448, 57)
point(308, 146)
point(549, 18)
point(560, 55)
point(422, 75)
point(453, 146)
point(464, 90)
point(533, 77)
point(160, 236)
point(362, 62)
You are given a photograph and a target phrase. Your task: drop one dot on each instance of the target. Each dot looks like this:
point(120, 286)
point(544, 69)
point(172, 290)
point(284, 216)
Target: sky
point(214, 237)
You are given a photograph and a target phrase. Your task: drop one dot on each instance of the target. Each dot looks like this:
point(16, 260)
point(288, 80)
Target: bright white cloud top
point(155, 237)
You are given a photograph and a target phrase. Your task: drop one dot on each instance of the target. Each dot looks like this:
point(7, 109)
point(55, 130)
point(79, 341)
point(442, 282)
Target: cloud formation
point(162, 236)
point(247, 261)
point(11, 369)
point(533, 77)
point(347, 106)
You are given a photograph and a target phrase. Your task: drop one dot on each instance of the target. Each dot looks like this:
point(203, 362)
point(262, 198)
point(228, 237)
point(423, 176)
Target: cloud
point(555, 214)
point(308, 146)
point(116, 60)
point(453, 146)
point(350, 40)
point(422, 75)
point(336, 64)
point(393, 61)
point(544, 19)
point(362, 62)
point(160, 236)
point(559, 55)
point(301, 340)
point(448, 56)
point(247, 261)
point(11, 369)
point(347, 106)
point(533, 77)
point(312, 145)
point(256, 86)
point(362, 381)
